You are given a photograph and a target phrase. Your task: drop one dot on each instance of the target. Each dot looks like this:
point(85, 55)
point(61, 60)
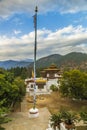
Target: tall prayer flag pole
point(35, 50)
point(33, 112)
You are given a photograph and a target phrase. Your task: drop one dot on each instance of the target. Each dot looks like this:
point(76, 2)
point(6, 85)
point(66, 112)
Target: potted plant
point(56, 119)
point(83, 116)
point(69, 118)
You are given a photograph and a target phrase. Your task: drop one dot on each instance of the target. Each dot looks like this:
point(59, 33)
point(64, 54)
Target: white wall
point(52, 81)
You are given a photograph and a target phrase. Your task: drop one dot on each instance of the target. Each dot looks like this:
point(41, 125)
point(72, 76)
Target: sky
point(61, 28)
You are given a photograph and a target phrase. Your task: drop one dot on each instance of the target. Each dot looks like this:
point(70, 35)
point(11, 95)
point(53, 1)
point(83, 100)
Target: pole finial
point(36, 9)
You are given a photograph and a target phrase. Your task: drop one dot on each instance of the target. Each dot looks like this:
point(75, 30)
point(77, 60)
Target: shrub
point(53, 87)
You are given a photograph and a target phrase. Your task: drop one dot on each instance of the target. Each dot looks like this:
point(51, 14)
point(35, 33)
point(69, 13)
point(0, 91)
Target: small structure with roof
point(41, 87)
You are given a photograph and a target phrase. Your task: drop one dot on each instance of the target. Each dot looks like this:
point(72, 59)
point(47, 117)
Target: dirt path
point(21, 121)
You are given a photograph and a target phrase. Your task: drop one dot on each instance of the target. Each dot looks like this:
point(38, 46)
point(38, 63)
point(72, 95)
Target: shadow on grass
point(2, 128)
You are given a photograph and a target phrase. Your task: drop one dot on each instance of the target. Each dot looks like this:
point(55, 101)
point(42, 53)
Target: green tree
point(21, 88)
point(3, 118)
point(9, 77)
point(3, 99)
point(22, 72)
point(11, 91)
point(74, 84)
point(5, 87)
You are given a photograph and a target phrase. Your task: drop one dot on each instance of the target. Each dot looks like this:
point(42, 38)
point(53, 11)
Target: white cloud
point(17, 32)
point(61, 41)
point(8, 7)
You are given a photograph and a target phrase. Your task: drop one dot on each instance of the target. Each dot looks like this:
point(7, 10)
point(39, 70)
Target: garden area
point(72, 95)
point(55, 102)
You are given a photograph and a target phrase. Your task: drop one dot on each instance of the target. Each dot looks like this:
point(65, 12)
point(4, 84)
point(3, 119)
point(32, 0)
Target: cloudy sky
point(62, 28)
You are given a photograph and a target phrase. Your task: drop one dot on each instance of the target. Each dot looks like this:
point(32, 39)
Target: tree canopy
point(12, 90)
point(74, 84)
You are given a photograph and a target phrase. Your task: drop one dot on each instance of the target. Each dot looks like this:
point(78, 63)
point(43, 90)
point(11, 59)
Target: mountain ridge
point(70, 59)
point(15, 63)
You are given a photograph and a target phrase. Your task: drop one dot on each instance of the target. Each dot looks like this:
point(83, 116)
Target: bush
point(53, 87)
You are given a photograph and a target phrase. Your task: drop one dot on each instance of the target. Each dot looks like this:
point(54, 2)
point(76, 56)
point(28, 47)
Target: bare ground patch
point(55, 102)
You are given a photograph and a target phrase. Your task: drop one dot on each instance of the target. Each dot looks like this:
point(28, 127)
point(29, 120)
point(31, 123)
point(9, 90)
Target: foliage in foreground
point(12, 90)
point(83, 115)
point(67, 117)
point(3, 116)
point(56, 119)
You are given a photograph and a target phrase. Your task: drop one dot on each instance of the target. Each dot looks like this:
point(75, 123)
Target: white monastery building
point(49, 76)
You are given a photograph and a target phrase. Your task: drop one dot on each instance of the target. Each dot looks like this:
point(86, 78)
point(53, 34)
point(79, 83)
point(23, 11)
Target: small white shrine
point(41, 86)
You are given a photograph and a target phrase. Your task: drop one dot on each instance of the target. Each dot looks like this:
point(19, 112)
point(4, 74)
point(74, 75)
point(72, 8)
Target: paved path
point(21, 121)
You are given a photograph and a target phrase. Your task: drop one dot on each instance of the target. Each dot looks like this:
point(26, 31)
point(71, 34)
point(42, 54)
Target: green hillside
point(46, 61)
point(71, 59)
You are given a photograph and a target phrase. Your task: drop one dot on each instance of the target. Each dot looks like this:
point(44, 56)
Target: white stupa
point(33, 113)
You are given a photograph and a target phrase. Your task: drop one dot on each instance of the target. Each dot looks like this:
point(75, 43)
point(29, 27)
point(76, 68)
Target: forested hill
point(75, 59)
point(71, 59)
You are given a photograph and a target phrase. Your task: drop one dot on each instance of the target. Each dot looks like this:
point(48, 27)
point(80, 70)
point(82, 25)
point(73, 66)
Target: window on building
point(32, 86)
